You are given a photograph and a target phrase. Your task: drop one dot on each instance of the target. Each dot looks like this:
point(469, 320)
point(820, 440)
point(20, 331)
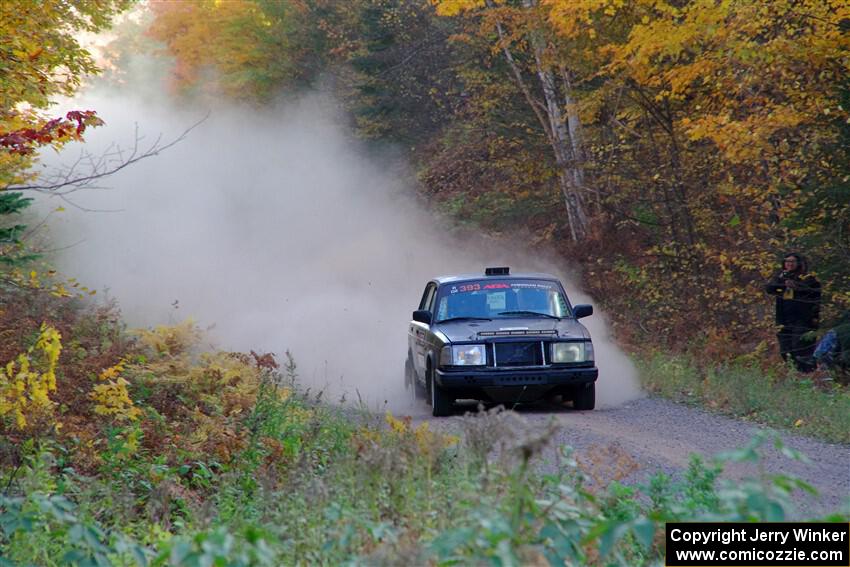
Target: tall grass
point(776, 397)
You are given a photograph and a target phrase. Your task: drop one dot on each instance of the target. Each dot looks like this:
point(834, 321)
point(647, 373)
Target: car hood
point(460, 331)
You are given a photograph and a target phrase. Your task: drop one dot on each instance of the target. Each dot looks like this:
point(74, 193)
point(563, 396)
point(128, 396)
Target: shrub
point(26, 384)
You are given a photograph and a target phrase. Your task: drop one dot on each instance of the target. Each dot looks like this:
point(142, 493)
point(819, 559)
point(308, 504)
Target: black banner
point(803, 544)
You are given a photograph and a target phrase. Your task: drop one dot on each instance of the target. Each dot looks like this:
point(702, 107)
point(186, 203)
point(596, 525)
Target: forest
point(673, 150)
point(670, 153)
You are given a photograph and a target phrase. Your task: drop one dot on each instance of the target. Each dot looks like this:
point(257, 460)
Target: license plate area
point(522, 354)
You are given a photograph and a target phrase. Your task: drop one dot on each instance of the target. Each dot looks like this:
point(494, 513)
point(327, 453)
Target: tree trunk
point(574, 127)
point(567, 148)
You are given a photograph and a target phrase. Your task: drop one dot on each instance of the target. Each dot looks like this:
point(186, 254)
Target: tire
point(585, 397)
point(411, 383)
point(441, 401)
point(408, 374)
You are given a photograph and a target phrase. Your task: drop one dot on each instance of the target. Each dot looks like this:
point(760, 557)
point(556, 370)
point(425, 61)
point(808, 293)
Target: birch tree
point(522, 37)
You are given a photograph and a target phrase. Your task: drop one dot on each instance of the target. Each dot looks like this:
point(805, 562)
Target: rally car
point(499, 337)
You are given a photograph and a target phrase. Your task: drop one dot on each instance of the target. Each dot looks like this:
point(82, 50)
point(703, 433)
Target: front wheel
point(441, 401)
point(585, 397)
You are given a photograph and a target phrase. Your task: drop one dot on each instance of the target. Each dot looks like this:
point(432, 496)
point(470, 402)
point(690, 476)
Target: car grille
point(518, 353)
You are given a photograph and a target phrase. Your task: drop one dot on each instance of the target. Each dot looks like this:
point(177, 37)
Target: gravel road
point(655, 434)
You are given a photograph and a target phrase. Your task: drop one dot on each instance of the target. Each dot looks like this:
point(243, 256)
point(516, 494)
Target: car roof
point(441, 280)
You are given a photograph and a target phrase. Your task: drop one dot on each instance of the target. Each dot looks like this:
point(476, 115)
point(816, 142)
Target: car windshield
point(501, 299)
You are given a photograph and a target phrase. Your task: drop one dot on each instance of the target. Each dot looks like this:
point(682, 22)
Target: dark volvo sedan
point(501, 338)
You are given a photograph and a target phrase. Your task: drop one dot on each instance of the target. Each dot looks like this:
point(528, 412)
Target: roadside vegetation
point(122, 447)
point(149, 447)
point(771, 395)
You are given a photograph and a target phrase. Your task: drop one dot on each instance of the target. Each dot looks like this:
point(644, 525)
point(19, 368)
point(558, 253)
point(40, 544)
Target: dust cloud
point(280, 231)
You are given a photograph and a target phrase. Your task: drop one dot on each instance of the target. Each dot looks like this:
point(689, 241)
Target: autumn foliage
point(27, 381)
point(704, 122)
point(42, 59)
point(675, 149)
point(154, 389)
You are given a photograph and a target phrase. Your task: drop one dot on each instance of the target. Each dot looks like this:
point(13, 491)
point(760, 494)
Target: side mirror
point(582, 311)
point(423, 316)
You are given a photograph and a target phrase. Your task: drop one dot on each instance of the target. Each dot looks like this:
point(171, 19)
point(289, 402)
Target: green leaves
point(617, 526)
point(40, 515)
point(11, 253)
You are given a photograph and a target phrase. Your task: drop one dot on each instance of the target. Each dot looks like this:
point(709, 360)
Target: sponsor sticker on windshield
point(479, 286)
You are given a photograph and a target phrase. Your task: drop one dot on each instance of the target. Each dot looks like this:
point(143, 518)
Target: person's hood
point(533, 327)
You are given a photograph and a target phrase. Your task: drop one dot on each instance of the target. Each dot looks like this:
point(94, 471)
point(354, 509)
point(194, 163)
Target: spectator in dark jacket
point(798, 297)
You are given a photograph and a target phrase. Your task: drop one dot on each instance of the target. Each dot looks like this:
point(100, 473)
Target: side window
point(430, 306)
point(428, 297)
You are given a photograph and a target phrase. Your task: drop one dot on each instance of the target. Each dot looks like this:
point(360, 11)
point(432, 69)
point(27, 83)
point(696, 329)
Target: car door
point(420, 332)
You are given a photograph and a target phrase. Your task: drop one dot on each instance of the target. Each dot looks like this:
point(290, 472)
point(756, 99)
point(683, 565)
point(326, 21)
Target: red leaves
point(72, 127)
point(84, 118)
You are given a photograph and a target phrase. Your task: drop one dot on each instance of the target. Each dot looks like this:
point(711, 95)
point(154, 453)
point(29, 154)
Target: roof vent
point(501, 271)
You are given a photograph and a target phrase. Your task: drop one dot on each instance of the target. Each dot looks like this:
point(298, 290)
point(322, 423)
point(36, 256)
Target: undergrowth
point(148, 450)
point(778, 397)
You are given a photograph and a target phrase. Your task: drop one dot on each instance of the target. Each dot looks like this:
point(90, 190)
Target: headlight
point(462, 355)
point(572, 352)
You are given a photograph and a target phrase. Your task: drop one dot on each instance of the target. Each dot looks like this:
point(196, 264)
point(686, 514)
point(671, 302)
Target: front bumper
point(511, 377)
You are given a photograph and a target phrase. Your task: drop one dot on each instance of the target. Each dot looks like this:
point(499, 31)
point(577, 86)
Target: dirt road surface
point(656, 435)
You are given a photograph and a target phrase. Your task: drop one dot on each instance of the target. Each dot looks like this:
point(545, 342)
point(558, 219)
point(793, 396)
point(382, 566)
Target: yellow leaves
point(213, 391)
point(24, 390)
point(396, 425)
point(113, 399)
point(60, 291)
point(735, 91)
point(42, 59)
point(41, 42)
point(575, 19)
point(449, 8)
point(685, 76)
point(428, 440)
point(425, 440)
point(113, 371)
point(47, 280)
point(170, 340)
point(50, 344)
point(248, 49)
point(748, 138)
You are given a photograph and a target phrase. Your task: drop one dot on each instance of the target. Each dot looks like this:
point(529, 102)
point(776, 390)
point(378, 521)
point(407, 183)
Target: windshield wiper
point(463, 319)
point(529, 313)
